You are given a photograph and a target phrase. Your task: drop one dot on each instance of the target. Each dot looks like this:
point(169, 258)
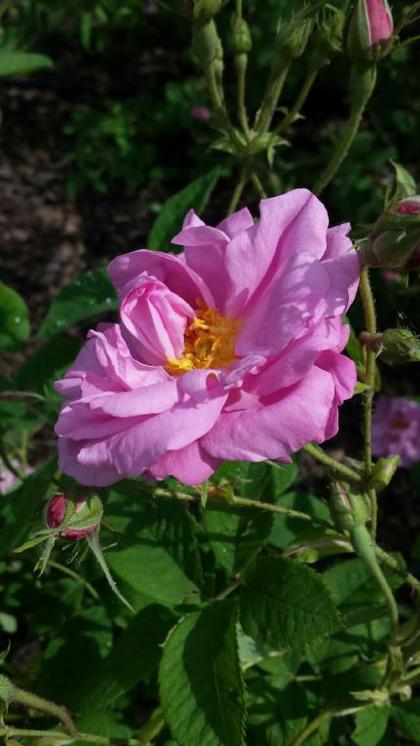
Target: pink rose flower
point(231, 350)
point(396, 429)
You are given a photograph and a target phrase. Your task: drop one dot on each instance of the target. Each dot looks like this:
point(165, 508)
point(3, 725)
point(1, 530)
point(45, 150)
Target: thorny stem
point(258, 185)
point(245, 503)
point(271, 99)
point(337, 467)
point(370, 317)
point(72, 574)
point(28, 699)
point(314, 724)
point(237, 192)
point(387, 559)
point(300, 100)
point(60, 736)
point(367, 85)
point(365, 548)
point(241, 63)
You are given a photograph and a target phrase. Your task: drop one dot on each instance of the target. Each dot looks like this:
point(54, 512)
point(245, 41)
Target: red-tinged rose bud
point(75, 519)
point(371, 26)
point(394, 242)
point(408, 206)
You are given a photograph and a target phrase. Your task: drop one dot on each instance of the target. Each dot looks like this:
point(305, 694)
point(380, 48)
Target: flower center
point(209, 342)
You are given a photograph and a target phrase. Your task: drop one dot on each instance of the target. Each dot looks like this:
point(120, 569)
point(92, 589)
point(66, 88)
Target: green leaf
point(406, 185)
point(201, 687)
point(156, 551)
point(134, 657)
point(103, 723)
point(285, 529)
point(47, 364)
point(286, 604)
point(276, 713)
point(264, 481)
point(371, 724)
point(20, 63)
point(73, 651)
point(169, 222)
point(89, 294)
point(18, 508)
point(236, 535)
point(406, 716)
point(14, 319)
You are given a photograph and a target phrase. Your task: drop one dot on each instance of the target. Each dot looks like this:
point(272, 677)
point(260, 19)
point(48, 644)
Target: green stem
point(362, 86)
point(371, 327)
point(244, 502)
point(60, 736)
point(28, 699)
point(237, 193)
point(337, 467)
point(300, 100)
point(258, 186)
point(365, 548)
point(392, 563)
point(312, 727)
point(314, 724)
point(271, 99)
point(72, 574)
point(241, 64)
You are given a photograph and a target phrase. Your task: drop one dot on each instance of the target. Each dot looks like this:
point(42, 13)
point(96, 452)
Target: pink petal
point(280, 427)
point(153, 322)
point(128, 270)
point(138, 447)
point(190, 465)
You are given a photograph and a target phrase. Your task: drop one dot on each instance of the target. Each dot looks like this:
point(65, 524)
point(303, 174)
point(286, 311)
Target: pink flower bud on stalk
point(371, 27)
point(394, 242)
point(79, 518)
point(74, 520)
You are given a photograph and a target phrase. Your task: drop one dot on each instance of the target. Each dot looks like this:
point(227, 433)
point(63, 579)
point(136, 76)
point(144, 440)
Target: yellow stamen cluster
point(209, 342)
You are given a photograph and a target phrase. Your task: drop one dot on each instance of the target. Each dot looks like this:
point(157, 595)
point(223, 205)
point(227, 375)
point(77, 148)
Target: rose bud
point(77, 518)
point(395, 240)
point(370, 27)
point(394, 346)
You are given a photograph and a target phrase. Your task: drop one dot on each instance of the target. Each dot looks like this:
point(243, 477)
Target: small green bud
point(394, 241)
point(205, 10)
point(206, 45)
point(292, 39)
point(7, 691)
point(327, 37)
point(399, 346)
point(348, 509)
point(382, 472)
point(241, 36)
point(340, 507)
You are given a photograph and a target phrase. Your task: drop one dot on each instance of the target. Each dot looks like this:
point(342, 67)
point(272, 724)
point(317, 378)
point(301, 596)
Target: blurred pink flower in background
point(396, 429)
point(8, 480)
point(230, 350)
point(200, 112)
